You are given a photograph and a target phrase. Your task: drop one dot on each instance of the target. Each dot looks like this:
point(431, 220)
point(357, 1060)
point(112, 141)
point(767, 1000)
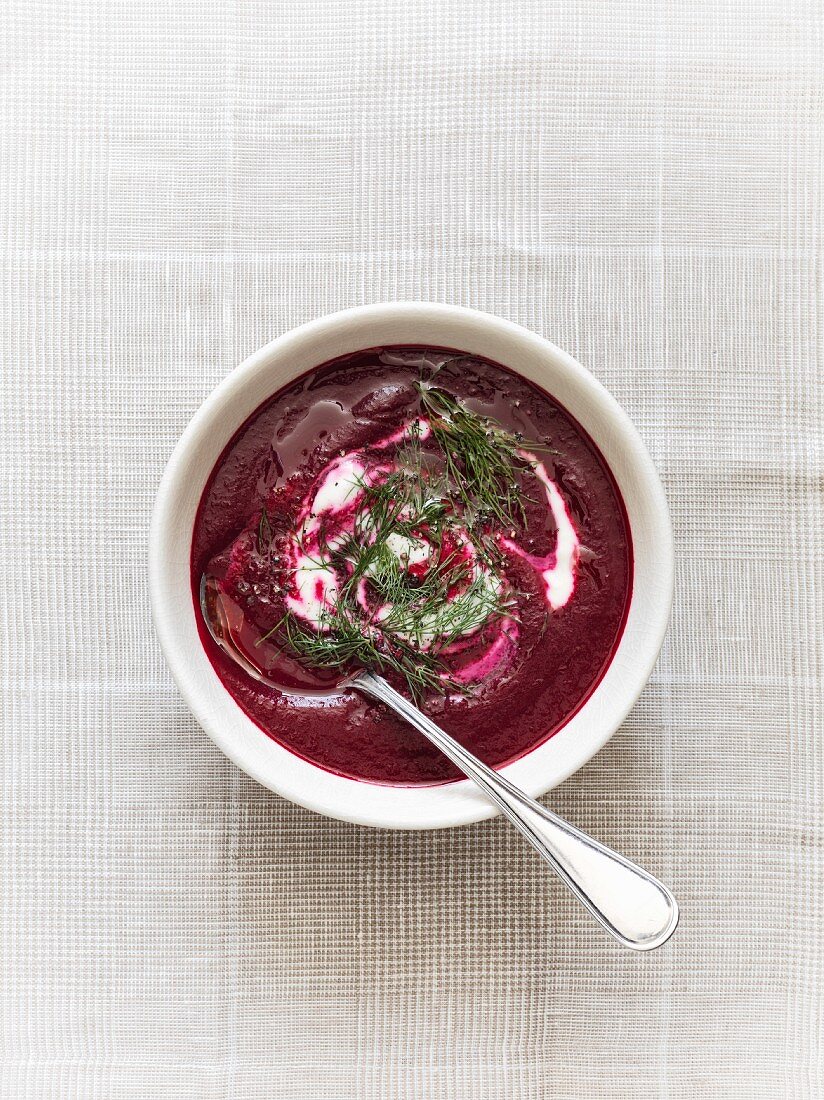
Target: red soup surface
point(534, 578)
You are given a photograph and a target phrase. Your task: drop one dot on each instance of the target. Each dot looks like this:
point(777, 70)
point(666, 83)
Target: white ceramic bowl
point(274, 366)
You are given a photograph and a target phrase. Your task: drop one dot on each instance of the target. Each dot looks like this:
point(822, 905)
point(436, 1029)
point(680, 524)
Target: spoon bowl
point(215, 616)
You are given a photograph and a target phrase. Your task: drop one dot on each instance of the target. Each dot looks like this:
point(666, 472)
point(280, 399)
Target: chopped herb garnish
point(448, 489)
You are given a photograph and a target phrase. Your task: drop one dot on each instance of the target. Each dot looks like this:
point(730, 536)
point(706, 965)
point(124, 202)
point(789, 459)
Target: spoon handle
point(634, 907)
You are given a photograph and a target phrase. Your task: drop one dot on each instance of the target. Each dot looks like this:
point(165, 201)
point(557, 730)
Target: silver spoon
point(634, 907)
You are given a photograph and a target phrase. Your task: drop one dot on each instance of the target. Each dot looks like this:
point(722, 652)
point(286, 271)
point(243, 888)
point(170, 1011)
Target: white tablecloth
point(640, 182)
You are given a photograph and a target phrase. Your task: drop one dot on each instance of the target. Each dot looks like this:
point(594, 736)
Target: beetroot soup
point(430, 515)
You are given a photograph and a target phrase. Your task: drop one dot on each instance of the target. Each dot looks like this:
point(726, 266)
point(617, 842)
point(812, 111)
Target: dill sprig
point(344, 641)
point(483, 459)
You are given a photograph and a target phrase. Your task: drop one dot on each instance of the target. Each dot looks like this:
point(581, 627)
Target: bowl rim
point(211, 428)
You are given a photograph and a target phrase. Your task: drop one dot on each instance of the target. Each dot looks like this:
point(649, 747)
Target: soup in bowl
point(438, 495)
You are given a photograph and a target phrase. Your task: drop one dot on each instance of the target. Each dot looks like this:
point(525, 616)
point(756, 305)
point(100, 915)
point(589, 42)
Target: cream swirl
point(415, 551)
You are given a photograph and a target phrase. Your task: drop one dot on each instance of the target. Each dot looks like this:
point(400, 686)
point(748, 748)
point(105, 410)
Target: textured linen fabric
point(181, 182)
